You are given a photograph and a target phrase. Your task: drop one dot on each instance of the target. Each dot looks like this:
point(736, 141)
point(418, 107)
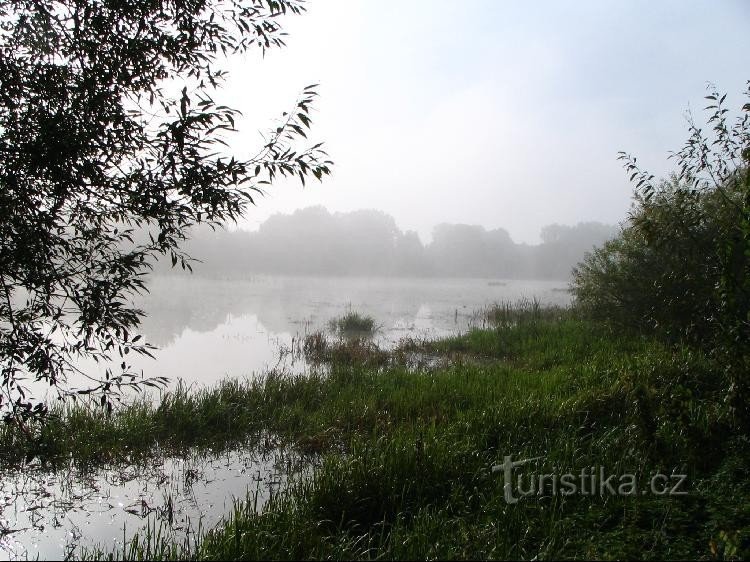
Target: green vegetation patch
point(405, 456)
point(353, 324)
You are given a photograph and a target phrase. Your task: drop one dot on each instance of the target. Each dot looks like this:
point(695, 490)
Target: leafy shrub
point(662, 272)
point(681, 265)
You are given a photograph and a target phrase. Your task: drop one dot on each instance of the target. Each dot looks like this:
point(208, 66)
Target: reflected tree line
point(313, 241)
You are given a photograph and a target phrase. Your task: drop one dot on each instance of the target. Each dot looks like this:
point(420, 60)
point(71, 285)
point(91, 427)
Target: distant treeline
point(314, 241)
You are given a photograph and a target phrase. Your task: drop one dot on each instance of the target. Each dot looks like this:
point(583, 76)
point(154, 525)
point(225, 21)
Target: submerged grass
point(406, 454)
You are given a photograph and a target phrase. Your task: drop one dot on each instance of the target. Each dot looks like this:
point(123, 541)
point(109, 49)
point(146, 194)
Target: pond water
point(49, 515)
point(207, 330)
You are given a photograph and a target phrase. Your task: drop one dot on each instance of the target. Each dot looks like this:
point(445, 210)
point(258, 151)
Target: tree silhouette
point(108, 130)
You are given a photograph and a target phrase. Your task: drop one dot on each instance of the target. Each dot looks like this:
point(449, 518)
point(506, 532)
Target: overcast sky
point(490, 112)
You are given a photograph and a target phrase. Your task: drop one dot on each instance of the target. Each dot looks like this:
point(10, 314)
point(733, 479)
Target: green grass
point(353, 323)
point(405, 455)
point(352, 349)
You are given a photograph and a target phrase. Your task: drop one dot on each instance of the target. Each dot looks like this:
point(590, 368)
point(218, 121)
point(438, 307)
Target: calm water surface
point(51, 515)
point(208, 330)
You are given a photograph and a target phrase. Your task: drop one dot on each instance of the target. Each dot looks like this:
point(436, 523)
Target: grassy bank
point(407, 454)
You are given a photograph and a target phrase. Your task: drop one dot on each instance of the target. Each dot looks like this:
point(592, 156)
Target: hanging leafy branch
point(108, 130)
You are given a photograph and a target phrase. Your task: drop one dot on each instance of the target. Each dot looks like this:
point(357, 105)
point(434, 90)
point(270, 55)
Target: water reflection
point(52, 515)
point(207, 330)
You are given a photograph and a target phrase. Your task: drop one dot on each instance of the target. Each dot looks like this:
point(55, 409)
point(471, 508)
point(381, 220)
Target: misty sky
point(487, 112)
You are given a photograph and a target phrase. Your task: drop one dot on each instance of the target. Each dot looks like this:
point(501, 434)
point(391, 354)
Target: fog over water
point(253, 295)
point(314, 241)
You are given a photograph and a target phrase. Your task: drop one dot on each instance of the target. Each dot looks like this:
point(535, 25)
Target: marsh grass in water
point(318, 348)
point(351, 342)
point(353, 324)
point(524, 311)
point(405, 454)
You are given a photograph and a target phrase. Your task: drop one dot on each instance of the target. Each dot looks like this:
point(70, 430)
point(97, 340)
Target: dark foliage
point(681, 266)
point(107, 128)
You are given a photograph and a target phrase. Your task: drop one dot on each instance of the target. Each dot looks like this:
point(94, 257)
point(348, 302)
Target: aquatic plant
point(353, 324)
